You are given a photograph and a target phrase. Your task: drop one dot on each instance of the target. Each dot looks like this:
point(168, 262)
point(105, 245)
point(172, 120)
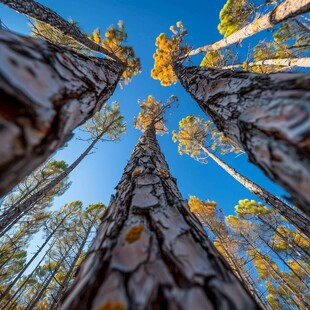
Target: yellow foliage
point(134, 233)
point(212, 59)
point(248, 207)
point(167, 51)
point(152, 112)
point(113, 41)
point(233, 16)
point(203, 208)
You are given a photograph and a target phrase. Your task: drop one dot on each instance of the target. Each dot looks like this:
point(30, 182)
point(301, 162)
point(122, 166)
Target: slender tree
point(287, 9)
point(47, 92)
point(150, 251)
point(106, 125)
point(193, 136)
point(90, 219)
point(212, 218)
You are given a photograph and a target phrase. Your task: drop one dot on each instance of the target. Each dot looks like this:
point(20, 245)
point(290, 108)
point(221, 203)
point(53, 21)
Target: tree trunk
point(287, 9)
point(42, 13)
point(150, 251)
point(46, 92)
point(284, 62)
point(300, 221)
point(8, 219)
point(266, 115)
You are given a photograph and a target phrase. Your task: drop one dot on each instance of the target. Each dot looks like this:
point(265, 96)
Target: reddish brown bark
point(46, 92)
point(151, 252)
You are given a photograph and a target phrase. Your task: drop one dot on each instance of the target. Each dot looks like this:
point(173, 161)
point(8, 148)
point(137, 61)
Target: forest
point(201, 198)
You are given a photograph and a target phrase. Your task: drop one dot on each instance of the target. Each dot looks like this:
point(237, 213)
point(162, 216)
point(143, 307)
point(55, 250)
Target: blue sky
point(95, 178)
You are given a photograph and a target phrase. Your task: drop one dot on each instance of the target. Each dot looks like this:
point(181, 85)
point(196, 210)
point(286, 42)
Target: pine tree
point(193, 136)
point(285, 10)
point(12, 210)
point(149, 250)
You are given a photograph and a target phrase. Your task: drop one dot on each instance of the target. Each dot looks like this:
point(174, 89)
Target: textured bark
point(284, 62)
point(150, 251)
point(287, 9)
point(300, 221)
point(266, 115)
point(17, 211)
point(42, 13)
point(46, 92)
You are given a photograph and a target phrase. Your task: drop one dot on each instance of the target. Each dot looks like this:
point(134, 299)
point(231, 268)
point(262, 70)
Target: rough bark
point(301, 222)
point(266, 115)
point(46, 92)
point(42, 13)
point(287, 9)
point(17, 211)
point(150, 251)
point(284, 62)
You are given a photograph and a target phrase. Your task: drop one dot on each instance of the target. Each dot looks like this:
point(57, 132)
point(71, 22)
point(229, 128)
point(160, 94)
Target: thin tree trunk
point(238, 269)
point(47, 282)
point(279, 277)
point(8, 219)
point(64, 285)
point(46, 92)
point(300, 221)
point(284, 62)
point(266, 115)
point(42, 13)
point(150, 251)
point(287, 9)
point(33, 257)
point(18, 291)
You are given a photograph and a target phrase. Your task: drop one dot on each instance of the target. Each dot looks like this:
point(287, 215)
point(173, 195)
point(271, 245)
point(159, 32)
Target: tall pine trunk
point(17, 211)
point(46, 92)
point(267, 115)
point(300, 221)
point(150, 252)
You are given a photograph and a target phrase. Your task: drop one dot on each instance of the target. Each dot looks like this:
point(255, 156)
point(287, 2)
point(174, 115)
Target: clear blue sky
point(95, 178)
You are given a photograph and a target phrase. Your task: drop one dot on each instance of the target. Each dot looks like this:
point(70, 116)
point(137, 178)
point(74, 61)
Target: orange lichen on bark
point(112, 305)
point(164, 173)
point(134, 233)
point(136, 172)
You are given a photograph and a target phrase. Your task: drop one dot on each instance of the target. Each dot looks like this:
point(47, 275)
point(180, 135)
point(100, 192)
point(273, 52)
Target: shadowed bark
point(150, 251)
point(267, 115)
point(46, 92)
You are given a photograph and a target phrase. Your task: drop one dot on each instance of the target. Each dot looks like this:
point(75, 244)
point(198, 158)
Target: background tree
point(12, 210)
point(196, 137)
